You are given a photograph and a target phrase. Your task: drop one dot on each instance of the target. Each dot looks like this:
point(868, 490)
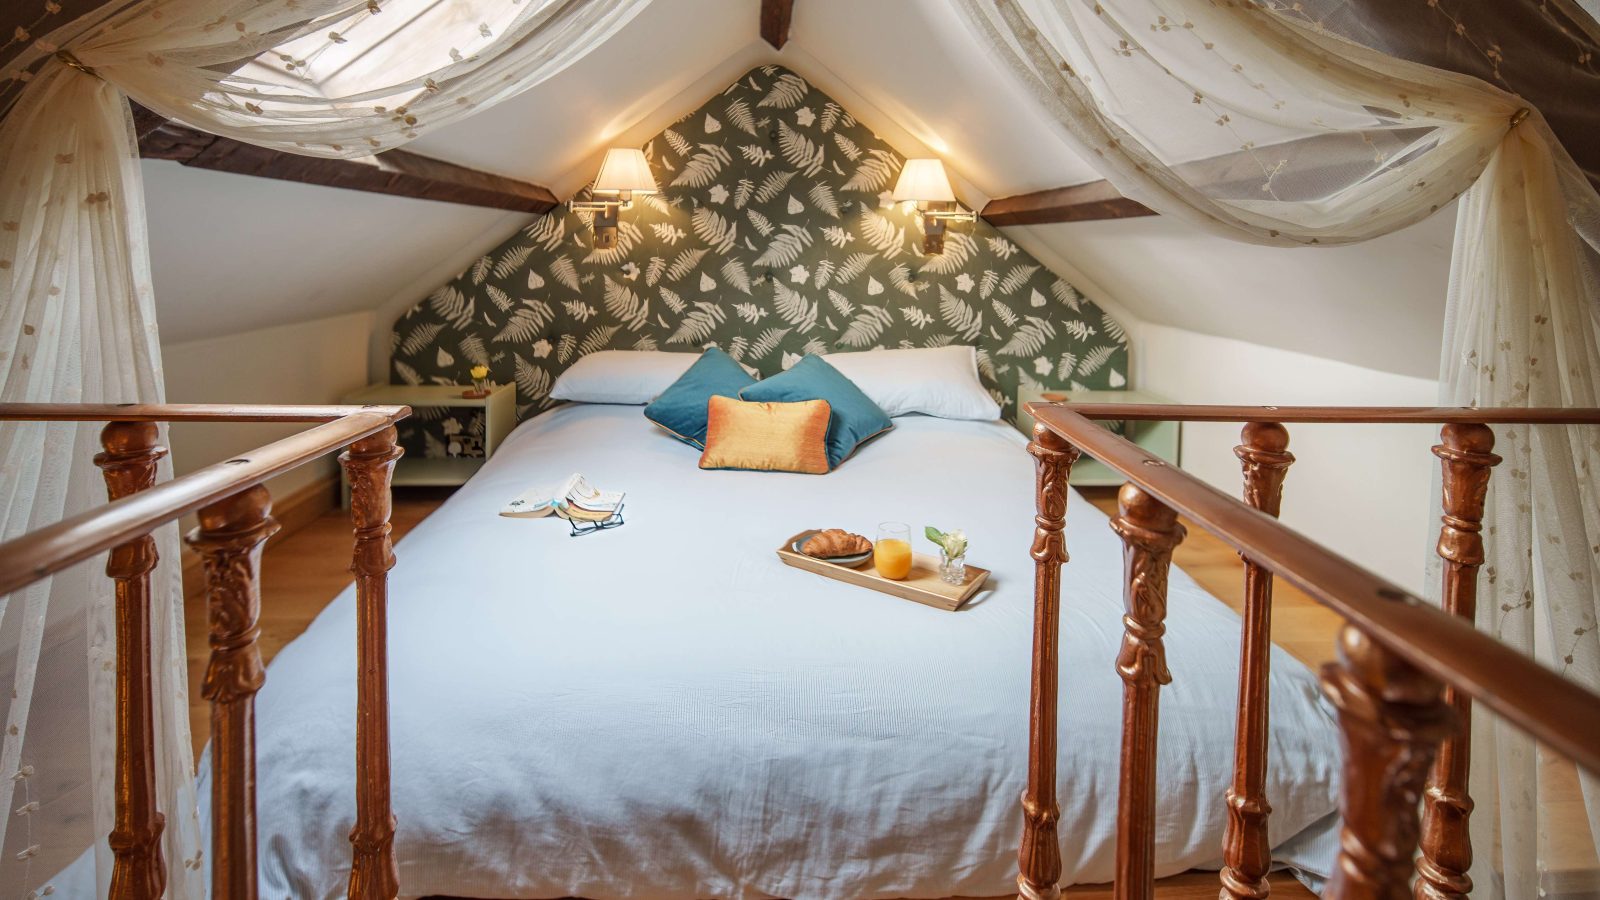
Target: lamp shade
point(923, 180)
point(625, 169)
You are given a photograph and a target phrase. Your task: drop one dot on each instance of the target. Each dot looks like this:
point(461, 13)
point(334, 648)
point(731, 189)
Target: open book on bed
point(572, 498)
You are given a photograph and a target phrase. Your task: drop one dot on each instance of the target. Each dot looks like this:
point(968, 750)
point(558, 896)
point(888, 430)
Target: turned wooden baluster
point(369, 464)
point(1149, 530)
point(1391, 720)
point(1466, 459)
point(1039, 859)
point(229, 541)
point(1246, 851)
point(129, 462)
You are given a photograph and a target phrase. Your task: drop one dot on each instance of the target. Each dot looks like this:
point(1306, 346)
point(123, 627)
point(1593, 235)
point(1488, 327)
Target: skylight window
point(391, 42)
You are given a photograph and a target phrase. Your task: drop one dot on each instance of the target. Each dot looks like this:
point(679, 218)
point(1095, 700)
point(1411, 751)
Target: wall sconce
point(624, 172)
point(924, 182)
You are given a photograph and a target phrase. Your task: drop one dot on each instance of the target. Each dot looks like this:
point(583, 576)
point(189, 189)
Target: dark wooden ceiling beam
point(395, 172)
point(1079, 203)
point(775, 16)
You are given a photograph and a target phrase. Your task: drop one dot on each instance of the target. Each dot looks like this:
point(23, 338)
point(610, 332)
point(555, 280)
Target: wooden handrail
point(235, 522)
point(180, 412)
point(1550, 708)
point(48, 550)
point(1436, 415)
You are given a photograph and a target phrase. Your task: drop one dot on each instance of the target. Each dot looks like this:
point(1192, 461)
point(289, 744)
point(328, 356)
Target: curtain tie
point(1519, 115)
point(71, 61)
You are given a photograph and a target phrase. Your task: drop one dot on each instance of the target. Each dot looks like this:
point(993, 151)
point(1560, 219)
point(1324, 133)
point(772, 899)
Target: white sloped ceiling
point(230, 253)
point(233, 252)
point(1378, 305)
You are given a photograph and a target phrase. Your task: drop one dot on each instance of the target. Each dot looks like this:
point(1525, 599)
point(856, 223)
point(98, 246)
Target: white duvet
point(666, 710)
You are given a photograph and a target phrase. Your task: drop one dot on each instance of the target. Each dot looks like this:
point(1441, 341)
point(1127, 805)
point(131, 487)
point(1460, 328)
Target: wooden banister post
point(1466, 456)
point(1246, 851)
point(1149, 530)
point(1039, 858)
point(369, 464)
point(1391, 720)
point(229, 542)
point(129, 463)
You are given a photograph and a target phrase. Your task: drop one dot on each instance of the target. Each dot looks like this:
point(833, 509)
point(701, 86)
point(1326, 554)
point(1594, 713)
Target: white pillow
point(621, 376)
point(939, 381)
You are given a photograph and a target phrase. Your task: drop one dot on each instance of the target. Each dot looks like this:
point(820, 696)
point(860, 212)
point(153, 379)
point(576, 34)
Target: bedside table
point(1161, 438)
point(499, 417)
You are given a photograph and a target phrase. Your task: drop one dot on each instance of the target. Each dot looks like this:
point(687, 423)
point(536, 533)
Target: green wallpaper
point(773, 236)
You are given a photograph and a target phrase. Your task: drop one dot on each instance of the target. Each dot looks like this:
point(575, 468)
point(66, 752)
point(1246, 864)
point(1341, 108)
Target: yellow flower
point(480, 372)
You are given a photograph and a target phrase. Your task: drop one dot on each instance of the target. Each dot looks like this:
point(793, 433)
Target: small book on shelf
point(573, 498)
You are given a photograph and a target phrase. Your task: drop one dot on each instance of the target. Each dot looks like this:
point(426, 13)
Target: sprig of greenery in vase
point(952, 565)
point(953, 543)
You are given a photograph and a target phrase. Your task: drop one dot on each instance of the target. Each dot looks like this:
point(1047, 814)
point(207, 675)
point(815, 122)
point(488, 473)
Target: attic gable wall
point(774, 236)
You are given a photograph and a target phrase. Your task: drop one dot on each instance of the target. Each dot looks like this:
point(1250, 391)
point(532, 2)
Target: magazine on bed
point(572, 498)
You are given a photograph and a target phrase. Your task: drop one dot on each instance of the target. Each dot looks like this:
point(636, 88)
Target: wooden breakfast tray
point(923, 584)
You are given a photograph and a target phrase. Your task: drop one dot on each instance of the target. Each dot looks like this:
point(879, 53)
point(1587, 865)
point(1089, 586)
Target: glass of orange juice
point(891, 555)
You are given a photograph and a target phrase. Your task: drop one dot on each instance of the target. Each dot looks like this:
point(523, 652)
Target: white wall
point(306, 362)
point(1362, 490)
point(1378, 304)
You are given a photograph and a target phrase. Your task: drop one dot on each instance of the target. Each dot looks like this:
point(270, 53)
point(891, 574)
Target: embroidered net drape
point(77, 324)
point(1254, 121)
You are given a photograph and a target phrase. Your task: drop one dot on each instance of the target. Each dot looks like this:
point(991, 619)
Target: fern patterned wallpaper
point(773, 236)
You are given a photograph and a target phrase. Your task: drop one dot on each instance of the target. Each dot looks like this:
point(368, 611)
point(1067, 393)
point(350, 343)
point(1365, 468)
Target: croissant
point(836, 542)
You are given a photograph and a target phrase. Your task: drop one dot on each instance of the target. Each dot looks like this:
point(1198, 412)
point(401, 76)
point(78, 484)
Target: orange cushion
point(767, 437)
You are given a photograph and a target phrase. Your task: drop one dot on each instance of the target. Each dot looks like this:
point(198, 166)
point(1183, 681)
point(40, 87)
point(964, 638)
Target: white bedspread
point(667, 710)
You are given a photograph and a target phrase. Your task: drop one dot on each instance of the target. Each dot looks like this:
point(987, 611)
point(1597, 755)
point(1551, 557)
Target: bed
point(666, 710)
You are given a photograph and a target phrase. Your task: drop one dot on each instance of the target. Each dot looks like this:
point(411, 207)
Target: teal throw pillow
point(855, 418)
point(681, 408)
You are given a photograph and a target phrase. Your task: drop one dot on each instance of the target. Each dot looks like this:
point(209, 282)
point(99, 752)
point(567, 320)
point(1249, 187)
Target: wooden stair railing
point(1465, 457)
point(129, 462)
point(235, 520)
point(1404, 684)
point(1247, 854)
point(1149, 530)
point(1406, 677)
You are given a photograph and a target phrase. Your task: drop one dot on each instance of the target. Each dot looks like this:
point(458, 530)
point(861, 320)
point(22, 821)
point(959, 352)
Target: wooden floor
point(300, 575)
point(1300, 625)
point(304, 571)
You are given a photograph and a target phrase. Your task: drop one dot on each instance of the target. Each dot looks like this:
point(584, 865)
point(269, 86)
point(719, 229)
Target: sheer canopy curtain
point(76, 327)
point(1252, 120)
point(340, 78)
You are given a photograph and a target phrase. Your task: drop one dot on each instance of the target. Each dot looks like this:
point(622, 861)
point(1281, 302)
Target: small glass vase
point(480, 386)
point(952, 569)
